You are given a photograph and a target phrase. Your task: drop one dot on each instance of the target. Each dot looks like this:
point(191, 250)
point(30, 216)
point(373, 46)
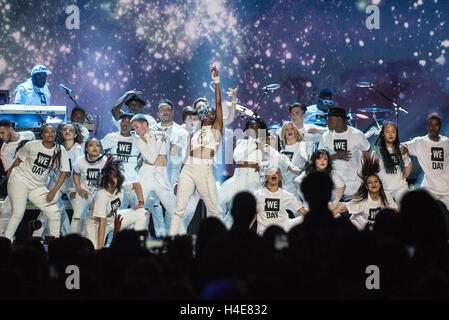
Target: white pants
point(244, 179)
point(80, 210)
point(129, 200)
point(65, 222)
point(5, 214)
point(202, 177)
point(153, 178)
point(19, 192)
point(134, 219)
point(398, 193)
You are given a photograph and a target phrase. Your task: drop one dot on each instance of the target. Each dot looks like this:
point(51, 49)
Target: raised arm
point(150, 153)
point(231, 116)
point(116, 109)
point(218, 123)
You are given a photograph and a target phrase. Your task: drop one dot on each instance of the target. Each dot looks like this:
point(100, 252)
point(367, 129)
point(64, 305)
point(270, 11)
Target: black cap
point(135, 98)
point(126, 114)
point(325, 92)
point(337, 112)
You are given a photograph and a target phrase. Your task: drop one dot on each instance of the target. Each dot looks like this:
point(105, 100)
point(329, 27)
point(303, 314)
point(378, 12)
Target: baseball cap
point(135, 98)
point(39, 69)
point(337, 112)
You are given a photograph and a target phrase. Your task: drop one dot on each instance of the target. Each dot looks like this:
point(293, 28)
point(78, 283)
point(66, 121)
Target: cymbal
point(352, 116)
point(373, 110)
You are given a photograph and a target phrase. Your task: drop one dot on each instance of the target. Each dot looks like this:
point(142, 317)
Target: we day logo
point(437, 154)
point(340, 145)
point(124, 150)
point(93, 177)
point(41, 163)
point(272, 207)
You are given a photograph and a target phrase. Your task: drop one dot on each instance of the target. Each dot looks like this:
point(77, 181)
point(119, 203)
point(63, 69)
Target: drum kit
point(363, 113)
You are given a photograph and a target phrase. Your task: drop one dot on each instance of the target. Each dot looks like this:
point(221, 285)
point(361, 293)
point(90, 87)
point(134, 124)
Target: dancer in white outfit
point(86, 176)
point(106, 203)
point(321, 161)
point(432, 151)
point(122, 145)
point(197, 172)
point(28, 177)
point(273, 202)
point(154, 145)
point(70, 136)
point(12, 142)
point(295, 148)
point(370, 197)
point(394, 167)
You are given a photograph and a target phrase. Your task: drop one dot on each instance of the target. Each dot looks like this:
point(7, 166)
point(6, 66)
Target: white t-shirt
point(36, 163)
point(309, 138)
point(8, 151)
point(392, 181)
point(106, 205)
point(365, 212)
point(336, 179)
point(124, 149)
point(297, 154)
point(178, 137)
point(433, 157)
point(351, 140)
point(89, 173)
point(75, 152)
point(272, 208)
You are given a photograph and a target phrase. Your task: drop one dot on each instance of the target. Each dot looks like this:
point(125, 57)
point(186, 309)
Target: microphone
point(364, 84)
point(65, 88)
point(273, 86)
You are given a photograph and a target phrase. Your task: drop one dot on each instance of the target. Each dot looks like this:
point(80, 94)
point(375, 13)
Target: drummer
point(34, 91)
point(316, 113)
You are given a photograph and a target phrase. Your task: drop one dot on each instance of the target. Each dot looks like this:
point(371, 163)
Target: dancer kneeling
point(369, 199)
point(107, 201)
point(273, 202)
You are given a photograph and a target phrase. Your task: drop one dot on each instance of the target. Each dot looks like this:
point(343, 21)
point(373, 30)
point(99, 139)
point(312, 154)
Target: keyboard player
point(34, 91)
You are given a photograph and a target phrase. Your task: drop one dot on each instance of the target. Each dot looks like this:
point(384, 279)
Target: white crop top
point(204, 137)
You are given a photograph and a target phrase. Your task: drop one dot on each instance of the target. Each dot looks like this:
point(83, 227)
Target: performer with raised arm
point(28, 178)
point(154, 145)
point(432, 151)
point(135, 105)
point(197, 172)
point(346, 145)
point(34, 91)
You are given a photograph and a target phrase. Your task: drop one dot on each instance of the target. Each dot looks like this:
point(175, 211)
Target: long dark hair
point(310, 165)
point(112, 166)
point(370, 167)
point(56, 158)
point(102, 153)
point(380, 148)
point(79, 136)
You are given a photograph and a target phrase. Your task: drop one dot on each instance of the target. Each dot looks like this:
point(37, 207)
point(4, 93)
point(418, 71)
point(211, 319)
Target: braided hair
point(380, 148)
